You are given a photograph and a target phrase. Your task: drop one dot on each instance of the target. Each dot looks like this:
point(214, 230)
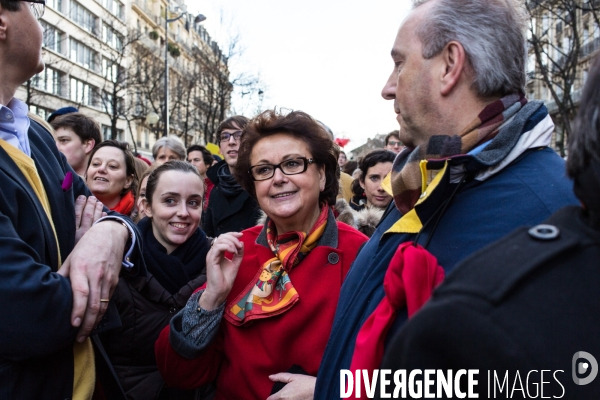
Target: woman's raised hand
point(221, 271)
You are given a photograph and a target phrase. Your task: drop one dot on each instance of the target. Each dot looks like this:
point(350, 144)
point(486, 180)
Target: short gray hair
point(492, 32)
point(170, 142)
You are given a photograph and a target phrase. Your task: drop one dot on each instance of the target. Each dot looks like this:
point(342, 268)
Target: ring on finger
point(104, 300)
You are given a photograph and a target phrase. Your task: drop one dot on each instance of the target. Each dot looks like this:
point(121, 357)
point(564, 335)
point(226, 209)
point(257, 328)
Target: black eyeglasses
point(293, 166)
point(37, 7)
point(394, 143)
point(237, 135)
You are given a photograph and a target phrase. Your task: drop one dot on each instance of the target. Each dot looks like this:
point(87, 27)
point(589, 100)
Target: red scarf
point(125, 205)
point(412, 275)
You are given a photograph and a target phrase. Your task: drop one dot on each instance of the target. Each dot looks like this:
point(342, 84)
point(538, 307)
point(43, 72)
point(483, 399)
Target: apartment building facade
point(91, 52)
point(564, 37)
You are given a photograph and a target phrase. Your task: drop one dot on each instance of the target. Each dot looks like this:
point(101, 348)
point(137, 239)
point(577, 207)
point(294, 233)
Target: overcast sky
point(329, 58)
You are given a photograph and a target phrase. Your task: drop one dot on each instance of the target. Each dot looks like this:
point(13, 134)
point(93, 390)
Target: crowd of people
point(465, 243)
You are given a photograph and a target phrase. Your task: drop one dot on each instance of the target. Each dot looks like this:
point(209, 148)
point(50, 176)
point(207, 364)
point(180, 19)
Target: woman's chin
point(106, 198)
point(282, 214)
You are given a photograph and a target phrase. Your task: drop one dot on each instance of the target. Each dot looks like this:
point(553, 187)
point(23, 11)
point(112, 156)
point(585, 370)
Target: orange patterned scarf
point(271, 291)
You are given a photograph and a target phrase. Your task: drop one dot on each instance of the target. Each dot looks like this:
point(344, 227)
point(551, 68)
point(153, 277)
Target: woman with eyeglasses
point(230, 207)
point(174, 252)
point(259, 326)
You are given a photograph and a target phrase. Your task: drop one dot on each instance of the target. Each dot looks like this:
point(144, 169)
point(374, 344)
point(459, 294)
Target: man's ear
point(88, 145)
point(455, 61)
point(3, 22)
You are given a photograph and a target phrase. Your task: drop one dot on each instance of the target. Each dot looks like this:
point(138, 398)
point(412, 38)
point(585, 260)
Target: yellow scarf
point(84, 377)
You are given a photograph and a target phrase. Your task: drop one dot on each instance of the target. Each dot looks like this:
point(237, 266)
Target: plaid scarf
point(407, 179)
point(271, 291)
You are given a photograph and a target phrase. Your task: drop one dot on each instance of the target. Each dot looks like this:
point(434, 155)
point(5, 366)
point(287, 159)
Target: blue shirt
point(14, 124)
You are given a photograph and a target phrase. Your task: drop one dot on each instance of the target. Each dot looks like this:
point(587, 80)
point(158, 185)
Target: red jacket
point(209, 186)
point(242, 358)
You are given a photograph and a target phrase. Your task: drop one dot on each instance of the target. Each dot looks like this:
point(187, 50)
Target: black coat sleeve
point(207, 217)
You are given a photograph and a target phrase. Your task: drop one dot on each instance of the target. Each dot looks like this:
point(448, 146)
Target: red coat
point(242, 358)
point(209, 186)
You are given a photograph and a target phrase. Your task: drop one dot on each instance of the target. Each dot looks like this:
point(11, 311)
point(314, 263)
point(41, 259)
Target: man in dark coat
point(477, 165)
point(55, 281)
point(528, 304)
point(230, 208)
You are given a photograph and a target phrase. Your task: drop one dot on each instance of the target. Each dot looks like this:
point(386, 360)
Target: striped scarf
point(406, 178)
point(271, 291)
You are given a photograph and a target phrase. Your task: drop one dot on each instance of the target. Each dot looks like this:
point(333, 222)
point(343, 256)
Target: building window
point(52, 37)
point(109, 70)
point(106, 133)
point(111, 37)
point(114, 6)
point(83, 55)
point(48, 80)
point(55, 4)
point(107, 101)
point(82, 92)
point(41, 111)
point(566, 44)
point(83, 17)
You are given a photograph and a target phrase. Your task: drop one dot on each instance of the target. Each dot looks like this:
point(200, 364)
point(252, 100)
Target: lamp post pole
point(199, 18)
point(166, 132)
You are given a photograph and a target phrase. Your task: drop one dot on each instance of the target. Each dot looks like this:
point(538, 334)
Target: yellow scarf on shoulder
point(84, 377)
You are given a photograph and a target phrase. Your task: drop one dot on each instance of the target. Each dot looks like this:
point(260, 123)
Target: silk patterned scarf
point(271, 292)
point(406, 178)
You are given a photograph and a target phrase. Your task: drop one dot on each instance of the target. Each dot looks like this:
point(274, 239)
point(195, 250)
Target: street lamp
point(152, 119)
point(199, 18)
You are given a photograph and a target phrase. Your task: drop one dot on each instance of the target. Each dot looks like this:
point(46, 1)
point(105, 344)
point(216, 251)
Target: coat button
point(333, 258)
point(544, 232)
point(173, 310)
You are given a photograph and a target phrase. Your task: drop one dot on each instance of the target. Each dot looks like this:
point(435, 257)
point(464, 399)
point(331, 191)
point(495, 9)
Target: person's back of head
point(350, 167)
point(583, 163)
point(493, 34)
point(62, 111)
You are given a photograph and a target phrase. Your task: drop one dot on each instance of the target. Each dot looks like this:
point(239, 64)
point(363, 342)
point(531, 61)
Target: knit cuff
point(193, 329)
